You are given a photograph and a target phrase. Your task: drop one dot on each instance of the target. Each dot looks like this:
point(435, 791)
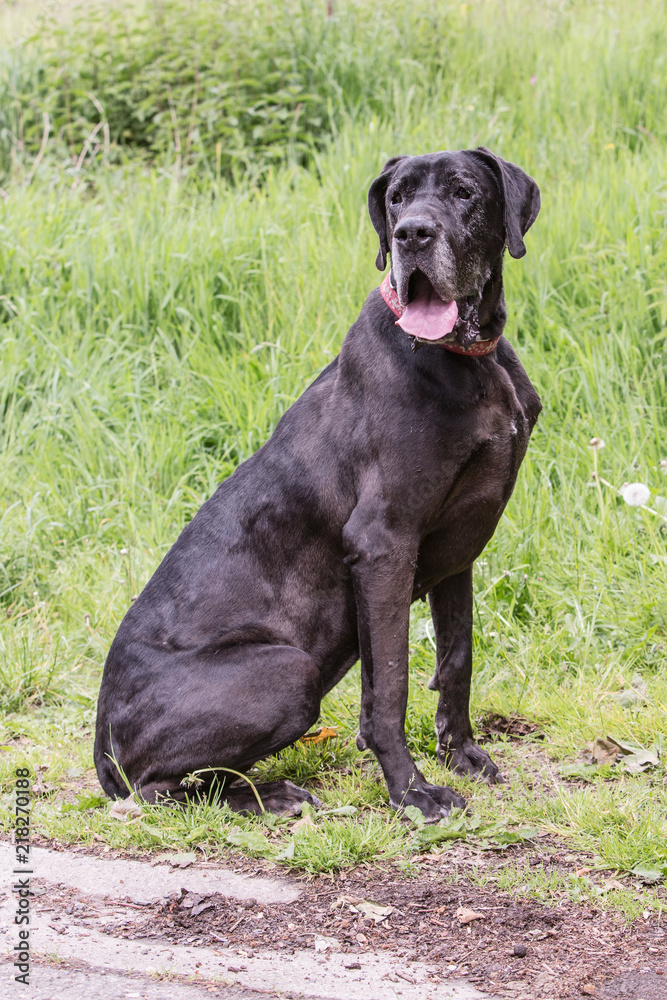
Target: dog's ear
point(521, 198)
point(377, 208)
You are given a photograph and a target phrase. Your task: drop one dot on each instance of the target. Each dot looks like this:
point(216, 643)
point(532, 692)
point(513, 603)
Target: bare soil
point(571, 950)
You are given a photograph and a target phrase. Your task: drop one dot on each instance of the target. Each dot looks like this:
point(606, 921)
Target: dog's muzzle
point(477, 348)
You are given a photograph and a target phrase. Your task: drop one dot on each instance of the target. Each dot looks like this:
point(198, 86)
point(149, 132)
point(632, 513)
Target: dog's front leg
point(382, 565)
point(451, 608)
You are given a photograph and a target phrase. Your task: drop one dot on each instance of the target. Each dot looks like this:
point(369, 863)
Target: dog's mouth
point(427, 316)
point(429, 319)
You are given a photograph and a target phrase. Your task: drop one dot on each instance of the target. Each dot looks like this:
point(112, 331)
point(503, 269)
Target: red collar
point(390, 295)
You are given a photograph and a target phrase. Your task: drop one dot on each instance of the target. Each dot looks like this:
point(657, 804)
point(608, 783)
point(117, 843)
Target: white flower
point(596, 443)
point(635, 494)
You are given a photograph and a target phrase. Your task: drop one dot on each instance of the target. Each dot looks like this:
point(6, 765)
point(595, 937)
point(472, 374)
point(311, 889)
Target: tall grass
point(233, 87)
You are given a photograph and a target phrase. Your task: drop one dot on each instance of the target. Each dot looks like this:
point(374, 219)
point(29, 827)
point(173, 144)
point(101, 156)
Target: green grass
point(156, 321)
point(232, 88)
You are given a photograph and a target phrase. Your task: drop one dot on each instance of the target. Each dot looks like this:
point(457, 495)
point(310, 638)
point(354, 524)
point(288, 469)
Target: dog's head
point(446, 219)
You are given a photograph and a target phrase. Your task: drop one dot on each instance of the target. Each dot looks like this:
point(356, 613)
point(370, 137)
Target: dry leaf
point(40, 787)
point(325, 733)
point(305, 823)
point(635, 759)
point(181, 860)
point(406, 977)
point(345, 900)
point(464, 915)
point(326, 943)
point(374, 911)
point(190, 900)
point(124, 809)
point(637, 763)
point(366, 907)
point(604, 751)
point(515, 727)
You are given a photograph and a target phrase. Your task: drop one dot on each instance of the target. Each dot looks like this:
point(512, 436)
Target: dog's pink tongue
point(427, 316)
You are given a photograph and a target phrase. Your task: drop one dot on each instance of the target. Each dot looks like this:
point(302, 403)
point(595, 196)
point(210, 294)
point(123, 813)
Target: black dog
point(380, 485)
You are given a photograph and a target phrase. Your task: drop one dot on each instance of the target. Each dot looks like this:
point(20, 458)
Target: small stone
point(353, 965)
point(520, 950)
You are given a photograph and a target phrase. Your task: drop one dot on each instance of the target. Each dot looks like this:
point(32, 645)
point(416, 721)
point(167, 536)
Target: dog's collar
point(476, 350)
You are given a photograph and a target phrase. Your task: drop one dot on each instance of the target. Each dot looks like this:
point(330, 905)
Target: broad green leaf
point(287, 854)
point(585, 771)
point(516, 836)
point(416, 816)
point(437, 834)
point(196, 834)
point(154, 835)
point(181, 860)
point(250, 840)
point(649, 875)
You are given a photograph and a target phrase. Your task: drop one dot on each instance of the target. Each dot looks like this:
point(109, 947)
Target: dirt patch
point(571, 950)
point(493, 726)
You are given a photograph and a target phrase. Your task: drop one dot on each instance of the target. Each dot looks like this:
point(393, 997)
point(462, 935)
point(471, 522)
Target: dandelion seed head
point(191, 781)
point(635, 494)
point(596, 443)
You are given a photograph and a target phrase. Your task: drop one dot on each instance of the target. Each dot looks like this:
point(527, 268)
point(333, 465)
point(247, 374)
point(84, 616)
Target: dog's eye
point(396, 198)
point(463, 193)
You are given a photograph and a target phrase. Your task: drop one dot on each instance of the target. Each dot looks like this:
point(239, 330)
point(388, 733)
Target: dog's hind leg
point(281, 797)
point(207, 716)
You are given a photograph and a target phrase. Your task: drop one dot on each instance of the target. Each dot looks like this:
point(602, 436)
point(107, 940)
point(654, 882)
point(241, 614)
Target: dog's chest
point(464, 516)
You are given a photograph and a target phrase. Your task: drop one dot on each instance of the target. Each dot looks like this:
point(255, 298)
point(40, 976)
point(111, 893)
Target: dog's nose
point(414, 233)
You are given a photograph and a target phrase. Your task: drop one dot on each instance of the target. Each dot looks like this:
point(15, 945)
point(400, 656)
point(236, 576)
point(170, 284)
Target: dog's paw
point(290, 799)
point(281, 797)
point(446, 797)
point(470, 759)
point(434, 801)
